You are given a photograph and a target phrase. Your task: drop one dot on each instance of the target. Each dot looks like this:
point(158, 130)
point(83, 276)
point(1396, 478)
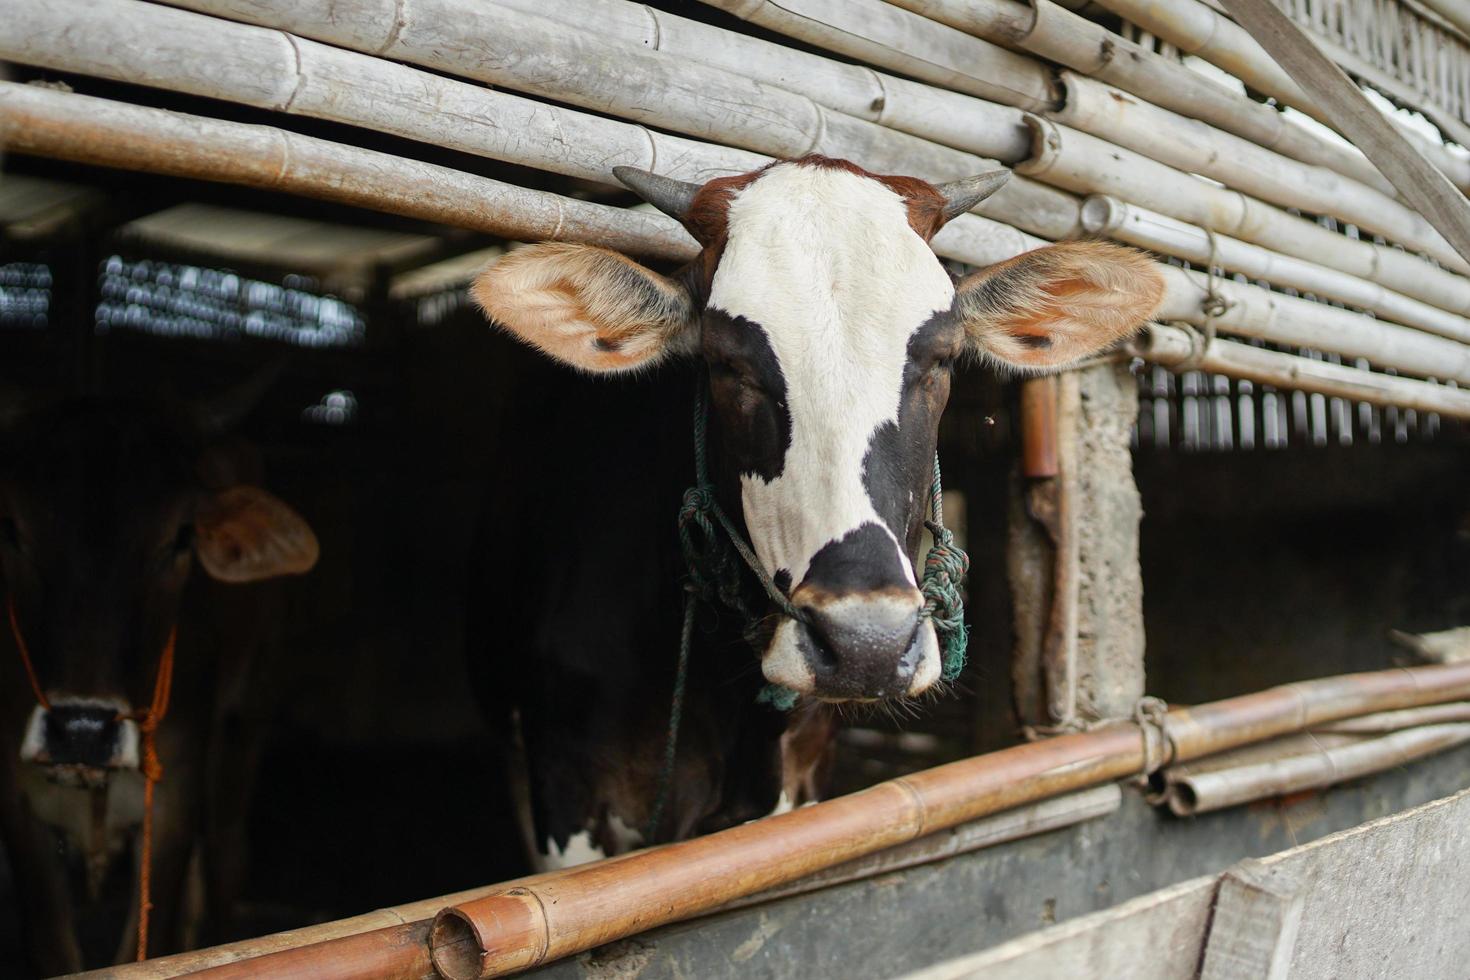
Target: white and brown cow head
point(830, 331)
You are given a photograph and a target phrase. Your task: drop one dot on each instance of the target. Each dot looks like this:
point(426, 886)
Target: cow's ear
point(244, 534)
point(1057, 305)
point(588, 307)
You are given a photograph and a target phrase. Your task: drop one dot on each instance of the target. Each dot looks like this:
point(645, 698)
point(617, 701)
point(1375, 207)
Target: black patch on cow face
point(899, 464)
point(782, 580)
point(862, 560)
point(748, 392)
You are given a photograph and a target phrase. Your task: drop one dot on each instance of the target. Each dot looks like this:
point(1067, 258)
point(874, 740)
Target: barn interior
point(1284, 535)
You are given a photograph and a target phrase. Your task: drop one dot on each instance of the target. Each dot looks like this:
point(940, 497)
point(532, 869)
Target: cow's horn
point(670, 196)
point(962, 195)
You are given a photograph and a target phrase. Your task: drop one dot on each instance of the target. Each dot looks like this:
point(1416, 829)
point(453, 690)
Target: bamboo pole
point(1417, 180)
point(547, 919)
point(1256, 312)
point(1082, 163)
point(1196, 148)
point(952, 118)
point(881, 34)
point(89, 130)
point(1103, 215)
point(147, 44)
point(1055, 33)
point(392, 942)
point(531, 54)
point(84, 129)
point(1199, 30)
point(1175, 348)
point(154, 45)
point(1294, 765)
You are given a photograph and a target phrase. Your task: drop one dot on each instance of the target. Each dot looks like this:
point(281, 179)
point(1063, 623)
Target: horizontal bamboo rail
point(1298, 764)
point(1197, 29)
point(523, 923)
point(142, 42)
point(1103, 215)
point(1176, 348)
point(392, 953)
point(89, 130)
point(883, 34)
point(83, 129)
point(1255, 312)
point(1197, 148)
point(531, 54)
point(544, 920)
point(952, 118)
point(1057, 34)
point(1084, 164)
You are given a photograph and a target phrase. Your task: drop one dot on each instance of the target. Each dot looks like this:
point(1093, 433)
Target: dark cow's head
point(104, 508)
point(830, 331)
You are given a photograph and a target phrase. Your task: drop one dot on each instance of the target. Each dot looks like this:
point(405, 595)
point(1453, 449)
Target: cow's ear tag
point(244, 534)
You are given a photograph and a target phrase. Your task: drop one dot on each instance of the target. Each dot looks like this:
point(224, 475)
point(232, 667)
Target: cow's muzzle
point(855, 646)
point(81, 741)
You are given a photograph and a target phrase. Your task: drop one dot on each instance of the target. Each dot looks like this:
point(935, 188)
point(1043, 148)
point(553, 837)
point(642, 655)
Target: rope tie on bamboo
point(714, 578)
point(1150, 714)
point(1214, 305)
point(149, 764)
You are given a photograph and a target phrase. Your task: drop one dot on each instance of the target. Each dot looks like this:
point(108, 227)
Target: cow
point(827, 332)
point(119, 656)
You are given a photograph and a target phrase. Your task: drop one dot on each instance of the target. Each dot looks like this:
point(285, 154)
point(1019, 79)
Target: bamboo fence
point(1170, 161)
point(530, 921)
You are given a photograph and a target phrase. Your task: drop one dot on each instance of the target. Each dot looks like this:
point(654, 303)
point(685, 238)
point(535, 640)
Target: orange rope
point(150, 765)
point(148, 722)
point(25, 654)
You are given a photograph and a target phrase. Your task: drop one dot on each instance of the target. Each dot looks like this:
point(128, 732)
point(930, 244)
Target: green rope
point(714, 576)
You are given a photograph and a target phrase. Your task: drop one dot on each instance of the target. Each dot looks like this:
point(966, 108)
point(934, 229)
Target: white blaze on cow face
point(825, 264)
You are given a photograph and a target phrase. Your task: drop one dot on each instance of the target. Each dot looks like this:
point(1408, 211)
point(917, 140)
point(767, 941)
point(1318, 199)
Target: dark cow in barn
point(106, 508)
point(828, 331)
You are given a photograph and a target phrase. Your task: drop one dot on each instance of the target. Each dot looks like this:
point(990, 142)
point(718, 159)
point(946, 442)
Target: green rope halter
point(714, 576)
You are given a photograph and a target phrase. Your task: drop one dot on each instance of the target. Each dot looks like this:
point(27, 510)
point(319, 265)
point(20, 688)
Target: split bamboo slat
point(1143, 228)
point(535, 920)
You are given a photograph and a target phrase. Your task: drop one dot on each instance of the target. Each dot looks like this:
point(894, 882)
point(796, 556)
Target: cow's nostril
point(82, 735)
point(863, 650)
